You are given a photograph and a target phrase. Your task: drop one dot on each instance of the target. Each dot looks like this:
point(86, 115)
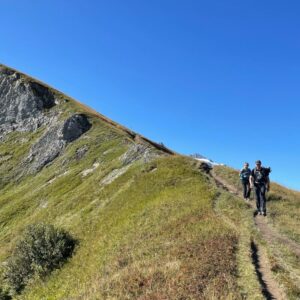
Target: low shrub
point(41, 249)
point(4, 294)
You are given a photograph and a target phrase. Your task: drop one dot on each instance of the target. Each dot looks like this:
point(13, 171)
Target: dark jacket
point(245, 174)
point(260, 176)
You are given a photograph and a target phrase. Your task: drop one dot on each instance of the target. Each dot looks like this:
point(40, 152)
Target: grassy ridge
point(159, 230)
point(151, 233)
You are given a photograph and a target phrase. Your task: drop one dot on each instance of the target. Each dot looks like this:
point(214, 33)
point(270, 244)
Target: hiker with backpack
point(259, 179)
point(245, 180)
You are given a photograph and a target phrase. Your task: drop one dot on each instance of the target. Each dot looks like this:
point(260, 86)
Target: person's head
point(258, 164)
point(246, 165)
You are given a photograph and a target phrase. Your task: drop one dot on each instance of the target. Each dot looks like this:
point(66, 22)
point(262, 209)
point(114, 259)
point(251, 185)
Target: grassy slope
point(150, 233)
point(162, 230)
point(154, 236)
point(153, 233)
point(283, 205)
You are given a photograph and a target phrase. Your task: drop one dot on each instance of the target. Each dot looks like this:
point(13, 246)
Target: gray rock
point(205, 167)
point(74, 127)
point(113, 175)
point(80, 152)
point(138, 152)
point(23, 103)
point(54, 140)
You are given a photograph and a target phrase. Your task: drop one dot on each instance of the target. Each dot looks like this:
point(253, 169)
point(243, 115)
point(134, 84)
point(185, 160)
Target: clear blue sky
point(221, 78)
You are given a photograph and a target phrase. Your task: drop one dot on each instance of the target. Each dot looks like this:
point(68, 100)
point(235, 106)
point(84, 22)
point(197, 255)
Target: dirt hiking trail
point(270, 288)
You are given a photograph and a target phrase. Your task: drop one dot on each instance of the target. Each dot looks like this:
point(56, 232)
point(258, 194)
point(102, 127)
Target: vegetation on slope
point(285, 264)
point(149, 227)
point(40, 250)
point(152, 233)
point(283, 204)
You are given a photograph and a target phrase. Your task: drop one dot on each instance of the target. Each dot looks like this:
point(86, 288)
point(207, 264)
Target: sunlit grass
point(151, 233)
point(282, 206)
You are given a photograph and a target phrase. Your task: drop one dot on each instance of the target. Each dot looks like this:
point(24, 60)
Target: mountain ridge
point(86, 108)
point(150, 223)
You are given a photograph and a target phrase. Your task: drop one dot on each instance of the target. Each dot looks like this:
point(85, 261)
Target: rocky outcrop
point(138, 152)
point(23, 102)
point(55, 139)
point(113, 175)
point(25, 105)
point(74, 127)
point(81, 152)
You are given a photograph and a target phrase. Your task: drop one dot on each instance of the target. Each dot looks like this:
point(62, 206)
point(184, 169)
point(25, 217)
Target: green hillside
point(150, 224)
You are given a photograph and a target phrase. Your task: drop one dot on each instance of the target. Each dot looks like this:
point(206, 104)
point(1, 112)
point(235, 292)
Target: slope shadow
point(255, 260)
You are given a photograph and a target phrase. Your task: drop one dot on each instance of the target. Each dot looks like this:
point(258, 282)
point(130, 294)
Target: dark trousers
point(260, 193)
point(246, 189)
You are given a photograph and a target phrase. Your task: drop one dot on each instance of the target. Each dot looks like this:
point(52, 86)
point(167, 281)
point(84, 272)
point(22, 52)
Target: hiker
point(259, 179)
point(245, 180)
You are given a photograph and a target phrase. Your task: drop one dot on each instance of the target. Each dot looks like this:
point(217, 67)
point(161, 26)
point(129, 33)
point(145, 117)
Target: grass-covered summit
point(149, 223)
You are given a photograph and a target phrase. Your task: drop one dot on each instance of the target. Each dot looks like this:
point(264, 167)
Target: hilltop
point(150, 223)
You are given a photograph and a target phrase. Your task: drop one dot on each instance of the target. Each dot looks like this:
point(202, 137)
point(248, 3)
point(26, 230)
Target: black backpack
point(267, 171)
point(264, 175)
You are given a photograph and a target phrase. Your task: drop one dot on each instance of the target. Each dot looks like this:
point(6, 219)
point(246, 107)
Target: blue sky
point(220, 78)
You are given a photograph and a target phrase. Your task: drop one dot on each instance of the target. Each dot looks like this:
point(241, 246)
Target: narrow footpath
point(270, 287)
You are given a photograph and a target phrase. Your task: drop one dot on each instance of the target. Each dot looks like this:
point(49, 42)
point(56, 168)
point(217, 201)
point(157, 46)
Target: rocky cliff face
point(26, 105)
point(22, 103)
point(55, 139)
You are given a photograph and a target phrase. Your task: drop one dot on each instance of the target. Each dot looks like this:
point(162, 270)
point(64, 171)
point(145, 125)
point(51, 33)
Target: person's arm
point(251, 180)
point(268, 183)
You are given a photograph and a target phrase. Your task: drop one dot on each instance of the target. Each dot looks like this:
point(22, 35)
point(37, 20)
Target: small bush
point(42, 249)
point(4, 295)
